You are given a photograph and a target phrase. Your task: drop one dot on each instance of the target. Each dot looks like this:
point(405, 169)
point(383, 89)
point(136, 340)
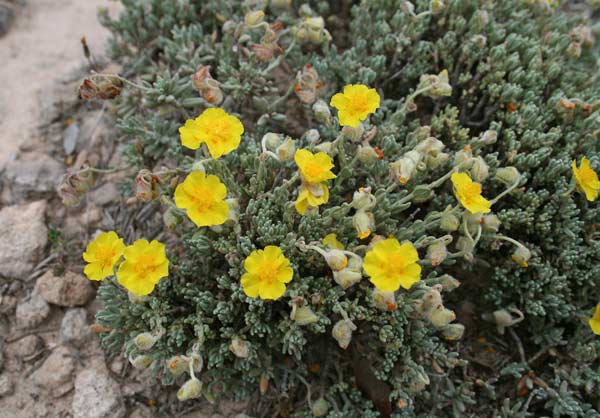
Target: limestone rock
point(70, 290)
point(74, 327)
point(55, 376)
point(24, 237)
point(32, 312)
point(33, 174)
point(97, 395)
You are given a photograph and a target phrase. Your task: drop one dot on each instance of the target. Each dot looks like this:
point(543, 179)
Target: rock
point(24, 237)
point(70, 290)
point(105, 194)
point(141, 412)
point(97, 395)
point(26, 346)
point(74, 327)
point(33, 174)
point(32, 312)
point(7, 304)
point(6, 385)
point(6, 17)
point(55, 376)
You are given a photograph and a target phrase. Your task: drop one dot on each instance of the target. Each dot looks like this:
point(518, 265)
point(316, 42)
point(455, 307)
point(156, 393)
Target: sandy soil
point(42, 45)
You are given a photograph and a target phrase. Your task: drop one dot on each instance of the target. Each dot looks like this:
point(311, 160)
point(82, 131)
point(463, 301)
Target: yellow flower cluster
point(143, 263)
point(315, 170)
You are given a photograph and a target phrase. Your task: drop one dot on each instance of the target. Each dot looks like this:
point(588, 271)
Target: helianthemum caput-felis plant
point(338, 183)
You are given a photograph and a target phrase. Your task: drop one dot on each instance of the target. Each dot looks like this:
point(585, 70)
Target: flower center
point(105, 255)
point(313, 170)
point(269, 272)
point(393, 266)
point(220, 131)
point(587, 175)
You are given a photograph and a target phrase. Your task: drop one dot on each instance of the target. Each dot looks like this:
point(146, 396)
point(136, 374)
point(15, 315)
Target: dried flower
point(364, 223)
point(177, 365)
point(286, 150)
point(355, 104)
point(203, 198)
point(239, 347)
point(267, 272)
point(521, 256)
point(342, 332)
point(405, 168)
point(145, 264)
point(384, 301)
point(220, 131)
point(191, 389)
point(320, 407)
point(307, 86)
point(311, 196)
point(146, 185)
point(303, 315)
point(391, 265)
point(207, 86)
point(508, 175)
point(102, 255)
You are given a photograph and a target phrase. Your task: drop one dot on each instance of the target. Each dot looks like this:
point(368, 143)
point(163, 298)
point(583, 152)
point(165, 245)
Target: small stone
point(55, 376)
point(24, 237)
point(107, 193)
point(97, 395)
point(7, 304)
point(26, 346)
point(33, 174)
point(141, 412)
point(32, 312)
point(74, 327)
point(70, 290)
point(6, 385)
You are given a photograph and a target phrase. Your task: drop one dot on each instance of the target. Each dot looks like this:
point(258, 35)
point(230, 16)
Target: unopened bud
point(449, 222)
point(320, 407)
point(336, 259)
point(177, 365)
point(491, 223)
point(312, 136)
point(363, 199)
point(508, 175)
point(145, 341)
point(286, 150)
point(384, 301)
point(342, 332)
point(404, 169)
point(440, 316)
point(522, 256)
point(364, 223)
point(191, 389)
point(254, 18)
point(354, 134)
point(303, 315)
point(448, 283)
point(479, 169)
point(239, 347)
point(141, 362)
point(453, 332)
point(171, 218)
point(322, 112)
point(347, 277)
point(325, 147)
point(234, 209)
point(422, 193)
point(436, 6)
point(367, 154)
point(489, 137)
point(437, 253)
point(271, 140)
point(430, 300)
point(463, 158)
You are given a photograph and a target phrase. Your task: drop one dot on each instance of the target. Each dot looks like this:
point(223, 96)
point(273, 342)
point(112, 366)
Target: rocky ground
point(51, 364)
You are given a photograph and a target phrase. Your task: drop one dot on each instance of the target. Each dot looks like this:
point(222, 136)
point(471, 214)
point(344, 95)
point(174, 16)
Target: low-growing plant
point(339, 181)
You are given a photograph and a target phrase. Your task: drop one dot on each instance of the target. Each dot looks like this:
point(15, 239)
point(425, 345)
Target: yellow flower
point(311, 195)
point(102, 255)
point(145, 264)
point(391, 265)
point(469, 194)
point(586, 179)
point(203, 197)
point(355, 104)
point(595, 321)
point(315, 168)
point(267, 272)
point(331, 241)
point(220, 131)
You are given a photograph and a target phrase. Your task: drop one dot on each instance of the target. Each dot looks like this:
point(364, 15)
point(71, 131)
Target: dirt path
point(42, 45)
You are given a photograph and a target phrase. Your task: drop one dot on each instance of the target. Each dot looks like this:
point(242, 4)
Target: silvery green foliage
point(519, 68)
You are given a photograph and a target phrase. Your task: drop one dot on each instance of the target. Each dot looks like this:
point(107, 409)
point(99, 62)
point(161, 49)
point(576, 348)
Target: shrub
point(504, 92)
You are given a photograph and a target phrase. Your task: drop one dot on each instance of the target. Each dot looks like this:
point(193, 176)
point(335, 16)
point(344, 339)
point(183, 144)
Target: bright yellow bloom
point(267, 272)
point(586, 179)
point(468, 193)
point(220, 131)
point(355, 104)
point(145, 264)
point(391, 265)
point(102, 255)
point(203, 197)
point(315, 168)
point(331, 241)
point(312, 195)
point(595, 321)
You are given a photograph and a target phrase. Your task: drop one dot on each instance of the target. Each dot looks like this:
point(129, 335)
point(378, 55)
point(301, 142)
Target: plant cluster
point(371, 208)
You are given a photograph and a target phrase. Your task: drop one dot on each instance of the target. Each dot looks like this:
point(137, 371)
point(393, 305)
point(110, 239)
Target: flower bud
point(336, 259)
point(364, 222)
point(145, 341)
point(307, 83)
point(363, 199)
point(322, 112)
point(239, 347)
point(208, 87)
point(479, 169)
point(312, 136)
point(320, 407)
point(342, 332)
point(440, 316)
point(271, 140)
point(437, 253)
point(384, 301)
point(325, 147)
point(303, 315)
point(504, 319)
point(141, 362)
point(448, 283)
point(430, 300)
point(491, 223)
point(367, 154)
point(286, 150)
point(522, 256)
point(191, 389)
point(465, 245)
point(449, 222)
point(177, 365)
point(403, 169)
point(463, 158)
point(436, 6)
point(453, 332)
point(489, 137)
point(254, 18)
point(508, 175)
point(430, 146)
point(422, 193)
point(234, 209)
point(354, 134)
point(280, 4)
point(347, 277)
point(229, 27)
point(171, 219)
